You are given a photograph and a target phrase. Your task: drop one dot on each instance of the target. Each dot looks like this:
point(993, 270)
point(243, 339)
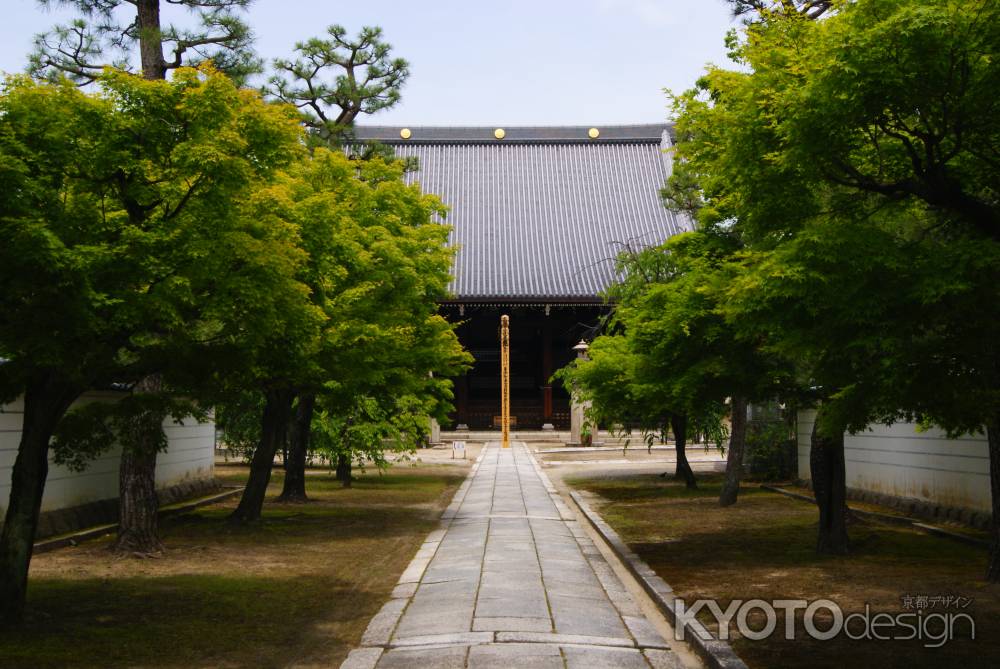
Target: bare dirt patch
point(764, 548)
point(297, 588)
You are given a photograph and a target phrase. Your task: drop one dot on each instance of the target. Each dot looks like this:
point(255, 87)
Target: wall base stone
point(919, 508)
point(105, 511)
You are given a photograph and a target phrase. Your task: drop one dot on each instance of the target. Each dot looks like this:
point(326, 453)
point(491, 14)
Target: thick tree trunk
point(294, 489)
point(138, 504)
point(993, 437)
point(678, 423)
point(344, 469)
point(150, 39)
point(46, 399)
point(274, 427)
point(737, 446)
point(829, 479)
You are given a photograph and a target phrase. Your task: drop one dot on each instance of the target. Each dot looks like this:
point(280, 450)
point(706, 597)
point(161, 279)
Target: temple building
point(539, 215)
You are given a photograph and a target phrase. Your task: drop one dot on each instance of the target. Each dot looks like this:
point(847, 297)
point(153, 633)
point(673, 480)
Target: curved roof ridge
point(541, 134)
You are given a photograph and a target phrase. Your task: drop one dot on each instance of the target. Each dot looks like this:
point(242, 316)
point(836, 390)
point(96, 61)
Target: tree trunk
point(138, 504)
point(46, 399)
point(344, 469)
point(294, 489)
point(678, 423)
point(993, 437)
point(829, 479)
point(737, 446)
point(344, 458)
point(274, 427)
point(150, 39)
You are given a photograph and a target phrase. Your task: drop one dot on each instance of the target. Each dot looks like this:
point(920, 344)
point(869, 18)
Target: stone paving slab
point(512, 624)
point(510, 579)
point(505, 656)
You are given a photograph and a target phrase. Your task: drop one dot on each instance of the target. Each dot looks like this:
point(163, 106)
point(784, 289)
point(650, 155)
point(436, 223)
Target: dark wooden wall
point(540, 344)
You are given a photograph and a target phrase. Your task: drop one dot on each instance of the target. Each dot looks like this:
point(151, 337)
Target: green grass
point(765, 547)
point(184, 620)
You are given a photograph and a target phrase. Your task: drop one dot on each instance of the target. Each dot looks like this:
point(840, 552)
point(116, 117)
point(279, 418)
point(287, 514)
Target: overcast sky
point(509, 62)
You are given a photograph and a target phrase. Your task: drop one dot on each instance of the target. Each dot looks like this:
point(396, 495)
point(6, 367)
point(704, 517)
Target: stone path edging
point(603, 449)
point(528, 586)
point(716, 653)
point(379, 631)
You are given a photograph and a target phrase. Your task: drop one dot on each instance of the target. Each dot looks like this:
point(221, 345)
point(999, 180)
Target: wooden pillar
point(462, 399)
point(547, 368)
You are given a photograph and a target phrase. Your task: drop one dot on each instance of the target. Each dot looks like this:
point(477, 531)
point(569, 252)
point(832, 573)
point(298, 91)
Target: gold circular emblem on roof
point(499, 133)
point(593, 133)
point(405, 133)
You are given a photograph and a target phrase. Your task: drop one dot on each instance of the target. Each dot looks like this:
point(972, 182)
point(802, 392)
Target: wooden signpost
point(505, 380)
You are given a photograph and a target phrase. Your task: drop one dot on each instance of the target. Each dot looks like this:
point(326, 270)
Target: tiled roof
point(541, 214)
point(481, 134)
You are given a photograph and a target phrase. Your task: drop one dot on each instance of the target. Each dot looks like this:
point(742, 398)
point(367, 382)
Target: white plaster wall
point(899, 460)
point(190, 455)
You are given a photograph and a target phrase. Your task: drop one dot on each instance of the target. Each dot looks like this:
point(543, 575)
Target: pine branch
point(341, 75)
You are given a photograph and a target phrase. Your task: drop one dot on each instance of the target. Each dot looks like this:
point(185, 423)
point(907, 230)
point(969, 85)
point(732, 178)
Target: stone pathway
point(510, 580)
